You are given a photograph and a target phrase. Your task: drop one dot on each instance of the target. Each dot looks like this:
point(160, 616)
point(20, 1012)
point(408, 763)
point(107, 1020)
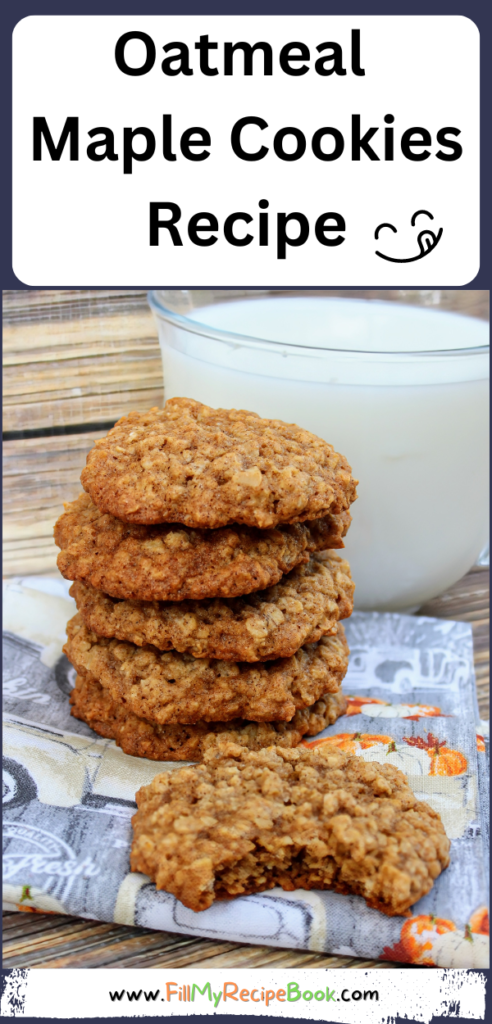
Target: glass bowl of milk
point(401, 391)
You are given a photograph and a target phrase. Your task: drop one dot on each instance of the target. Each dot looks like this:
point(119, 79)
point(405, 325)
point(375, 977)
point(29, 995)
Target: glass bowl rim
point(232, 337)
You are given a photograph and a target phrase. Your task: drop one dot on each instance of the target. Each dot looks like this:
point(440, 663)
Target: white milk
point(379, 382)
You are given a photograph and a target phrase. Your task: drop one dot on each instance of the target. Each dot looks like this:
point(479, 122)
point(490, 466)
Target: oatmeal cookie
point(112, 719)
point(205, 468)
point(272, 623)
point(174, 563)
point(171, 688)
point(245, 821)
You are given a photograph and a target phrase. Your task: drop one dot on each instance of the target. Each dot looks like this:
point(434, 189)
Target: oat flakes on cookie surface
point(207, 468)
point(171, 562)
point(140, 738)
point(171, 688)
point(273, 623)
point(246, 821)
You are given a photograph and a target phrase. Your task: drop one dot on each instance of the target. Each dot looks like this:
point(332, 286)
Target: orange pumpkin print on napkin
point(412, 712)
point(444, 761)
point(479, 921)
point(416, 755)
point(417, 939)
point(432, 941)
point(350, 742)
point(356, 704)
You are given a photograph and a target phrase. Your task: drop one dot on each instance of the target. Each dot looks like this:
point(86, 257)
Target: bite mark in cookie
point(246, 821)
point(207, 468)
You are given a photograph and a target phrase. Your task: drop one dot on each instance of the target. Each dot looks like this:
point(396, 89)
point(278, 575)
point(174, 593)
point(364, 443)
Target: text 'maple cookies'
point(207, 468)
point(171, 688)
point(136, 736)
point(171, 562)
point(273, 623)
point(245, 821)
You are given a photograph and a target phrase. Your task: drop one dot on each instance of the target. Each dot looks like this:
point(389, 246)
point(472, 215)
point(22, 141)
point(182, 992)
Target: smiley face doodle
point(427, 239)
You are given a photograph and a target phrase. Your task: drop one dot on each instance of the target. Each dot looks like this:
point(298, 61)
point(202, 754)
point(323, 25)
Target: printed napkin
point(69, 795)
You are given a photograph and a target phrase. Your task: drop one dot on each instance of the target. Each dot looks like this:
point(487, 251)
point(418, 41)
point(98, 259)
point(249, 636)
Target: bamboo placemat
point(52, 940)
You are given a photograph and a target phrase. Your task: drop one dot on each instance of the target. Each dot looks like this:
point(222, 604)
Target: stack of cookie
point(209, 596)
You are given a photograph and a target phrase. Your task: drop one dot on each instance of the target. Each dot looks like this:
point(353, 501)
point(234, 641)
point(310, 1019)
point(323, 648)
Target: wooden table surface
point(53, 940)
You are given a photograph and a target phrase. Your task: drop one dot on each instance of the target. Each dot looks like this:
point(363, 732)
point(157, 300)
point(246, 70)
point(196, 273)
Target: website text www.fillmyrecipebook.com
point(292, 993)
